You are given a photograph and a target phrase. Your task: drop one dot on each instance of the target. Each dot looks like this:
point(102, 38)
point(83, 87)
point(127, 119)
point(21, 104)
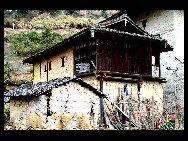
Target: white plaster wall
point(73, 101)
point(170, 25)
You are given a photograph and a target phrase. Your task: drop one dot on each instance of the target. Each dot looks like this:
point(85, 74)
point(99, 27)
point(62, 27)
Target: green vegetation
point(6, 115)
point(9, 71)
point(61, 21)
point(33, 33)
point(167, 122)
point(30, 43)
point(53, 19)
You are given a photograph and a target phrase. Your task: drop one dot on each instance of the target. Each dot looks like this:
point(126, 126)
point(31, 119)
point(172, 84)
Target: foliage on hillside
point(10, 71)
point(32, 42)
point(36, 30)
point(54, 19)
point(62, 21)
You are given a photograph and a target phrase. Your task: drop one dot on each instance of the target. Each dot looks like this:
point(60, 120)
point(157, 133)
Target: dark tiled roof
point(42, 87)
point(103, 26)
point(36, 89)
point(129, 34)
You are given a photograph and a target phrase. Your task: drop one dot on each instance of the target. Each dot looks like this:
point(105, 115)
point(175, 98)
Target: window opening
point(50, 66)
point(63, 61)
point(144, 23)
point(45, 69)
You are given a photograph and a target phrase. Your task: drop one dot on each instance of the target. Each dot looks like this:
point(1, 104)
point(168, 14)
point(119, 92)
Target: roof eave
point(31, 59)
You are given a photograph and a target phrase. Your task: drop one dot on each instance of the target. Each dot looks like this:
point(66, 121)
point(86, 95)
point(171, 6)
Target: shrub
point(165, 123)
point(32, 42)
point(6, 115)
point(8, 22)
point(7, 72)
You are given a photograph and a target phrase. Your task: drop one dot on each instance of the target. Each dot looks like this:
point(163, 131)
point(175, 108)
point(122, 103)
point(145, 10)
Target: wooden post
point(123, 106)
point(101, 102)
point(47, 72)
point(159, 66)
point(175, 98)
point(153, 112)
point(120, 102)
point(130, 110)
point(138, 94)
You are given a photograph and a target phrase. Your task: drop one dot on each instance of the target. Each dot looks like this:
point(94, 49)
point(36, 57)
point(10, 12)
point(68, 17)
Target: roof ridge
point(119, 18)
point(137, 26)
point(128, 33)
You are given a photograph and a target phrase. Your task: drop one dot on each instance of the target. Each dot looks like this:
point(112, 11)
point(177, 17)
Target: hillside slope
point(66, 25)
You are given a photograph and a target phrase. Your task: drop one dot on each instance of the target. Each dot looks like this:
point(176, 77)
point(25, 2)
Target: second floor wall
point(56, 66)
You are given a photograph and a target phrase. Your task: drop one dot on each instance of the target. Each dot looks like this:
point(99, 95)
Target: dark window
point(157, 58)
point(63, 61)
point(45, 69)
point(50, 66)
point(144, 23)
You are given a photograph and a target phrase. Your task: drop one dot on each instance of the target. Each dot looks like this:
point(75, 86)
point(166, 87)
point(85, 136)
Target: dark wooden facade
point(124, 57)
point(109, 53)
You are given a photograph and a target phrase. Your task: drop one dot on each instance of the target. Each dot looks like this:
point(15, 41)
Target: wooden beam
point(119, 74)
point(101, 102)
point(132, 77)
point(121, 79)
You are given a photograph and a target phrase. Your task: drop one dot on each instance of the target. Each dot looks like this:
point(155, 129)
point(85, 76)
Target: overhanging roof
point(105, 26)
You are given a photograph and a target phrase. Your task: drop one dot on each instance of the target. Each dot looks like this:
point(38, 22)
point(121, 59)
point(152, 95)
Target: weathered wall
point(147, 90)
point(57, 71)
point(26, 112)
point(71, 106)
point(18, 113)
point(170, 25)
point(76, 106)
